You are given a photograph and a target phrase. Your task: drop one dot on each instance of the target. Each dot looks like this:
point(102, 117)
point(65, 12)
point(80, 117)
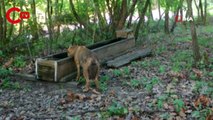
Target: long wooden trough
point(61, 68)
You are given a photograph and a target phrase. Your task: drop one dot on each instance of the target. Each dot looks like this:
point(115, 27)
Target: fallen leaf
point(177, 75)
point(197, 72)
point(166, 106)
point(203, 100)
point(8, 63)
point(209, 117)
point(182, 113)
point(70, 96)
point(112, 93)
point(95, 92)
point(80, 96)
point(62, 101)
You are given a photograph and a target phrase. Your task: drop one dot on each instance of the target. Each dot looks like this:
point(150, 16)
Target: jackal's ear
point(70, 46)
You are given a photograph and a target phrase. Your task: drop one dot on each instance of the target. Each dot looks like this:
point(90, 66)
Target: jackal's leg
point(86, 76)
point(78, 71)
point(96, 78)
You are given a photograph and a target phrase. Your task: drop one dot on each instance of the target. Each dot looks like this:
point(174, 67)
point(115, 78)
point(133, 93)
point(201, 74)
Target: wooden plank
point(113, 50)
point(124, 59)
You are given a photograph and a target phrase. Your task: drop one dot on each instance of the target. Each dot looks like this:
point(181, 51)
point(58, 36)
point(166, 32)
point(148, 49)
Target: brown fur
point(88, 61)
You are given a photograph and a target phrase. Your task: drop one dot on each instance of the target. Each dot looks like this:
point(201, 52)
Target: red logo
point(23, 15)
point(178, 18)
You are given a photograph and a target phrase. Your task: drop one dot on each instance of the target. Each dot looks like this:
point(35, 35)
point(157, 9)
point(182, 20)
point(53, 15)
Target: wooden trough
point(61, 68)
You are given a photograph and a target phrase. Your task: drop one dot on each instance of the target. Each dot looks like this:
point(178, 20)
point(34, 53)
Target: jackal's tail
point(93, 69)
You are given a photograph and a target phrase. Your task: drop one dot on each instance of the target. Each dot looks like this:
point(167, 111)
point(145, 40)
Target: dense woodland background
point(56, 24)
point(175, 82)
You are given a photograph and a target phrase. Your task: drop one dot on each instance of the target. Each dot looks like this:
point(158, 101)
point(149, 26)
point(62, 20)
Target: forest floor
point(162, 86)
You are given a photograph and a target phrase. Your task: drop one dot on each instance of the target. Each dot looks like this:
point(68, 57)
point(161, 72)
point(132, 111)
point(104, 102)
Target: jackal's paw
point(86, 89)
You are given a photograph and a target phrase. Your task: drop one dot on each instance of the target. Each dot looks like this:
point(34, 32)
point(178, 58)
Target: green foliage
point(117, 72)
point(179, 104)
point(1, 54)
point(135, 83)
point(203, 87)
point(165, 115)
point(201, 114)
point(5, 81)
point(103, 82)
point(160, 101)
point(117, 109)
point(5, 73)
point(162, 69)
point(19, 61)
point(126, 71)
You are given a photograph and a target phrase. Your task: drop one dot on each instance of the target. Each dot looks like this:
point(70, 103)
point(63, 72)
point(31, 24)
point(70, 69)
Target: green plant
point(162, 69)
point(104, 78)
point(117, 72)
point(5, 73)
point(19, 61)
point(126, 71)
point(117, 109)
point(179, 104)
point(165, 115)
point(201, 114)
point(1, 54)
point(160, 101)
point(103, 82)
point(135, 83)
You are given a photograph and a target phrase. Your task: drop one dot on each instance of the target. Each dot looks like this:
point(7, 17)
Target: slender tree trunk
point(201, 9)
point(159, 11)
point(205, 12)
point(195, 46)
point(141, 20)
point(21, 23)
point(123, 15)
point(131, 12)
point(1, 25)
point(11, 25)
point(198, 10)
point(34, 26)
point(4, 22)
point(49, 14)
point(150, 11)
point(77, 17)
point(98, 13)
point(166, 22)
point(177, 13)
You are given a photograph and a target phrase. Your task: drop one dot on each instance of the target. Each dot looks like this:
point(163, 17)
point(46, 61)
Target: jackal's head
point(71, 50)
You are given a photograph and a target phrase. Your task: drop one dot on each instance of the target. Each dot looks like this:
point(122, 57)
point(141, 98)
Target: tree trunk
point(77, 17)
point(195, 46)
point(159, 11)
point(1, 25)
point(141, 20)
point(131, 12)
point(150, 11)
point(177, 14)
point(166, 22)
point(4, 23)
point(205, 12)
point(49, 20)
point(21, 23)
point(201, 9)
point(98, 13)
point(198, 10)
point(34, 26)
point(11, 25)
point(123, 15)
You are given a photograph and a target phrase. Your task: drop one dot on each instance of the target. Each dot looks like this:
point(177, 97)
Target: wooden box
point(61, 68)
